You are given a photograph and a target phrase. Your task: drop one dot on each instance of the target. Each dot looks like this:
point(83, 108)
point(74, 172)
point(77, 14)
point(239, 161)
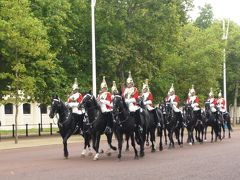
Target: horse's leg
point(212, 135)
point(98, 136)
point(127, 146)
point(223, 128)
point(229, 129)
point(65, 138)
point(94, 140)
point(152, 139)
point(142, 141)
point(182, 133)
point(109, 140)
point(188, 139)
point(161, 136)
point(196, 134)
point(165, 135)
point(177, 132)
point(120, 141)
point(205, 133)
point(147, 140)
point(133, 145)
point(170, 135)
point(86, 144)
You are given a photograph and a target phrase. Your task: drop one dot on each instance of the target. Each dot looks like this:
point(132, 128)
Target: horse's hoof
point(119, 156)
point(190, 144)
point(96, 157)
point(136, 157)
point(109, 154)
point(141, 154)
point(83, 153)
point(160, 148)
point(153, 150)
point(66, 156)
point(114, 148)
point(205, 140)
point(127, 149)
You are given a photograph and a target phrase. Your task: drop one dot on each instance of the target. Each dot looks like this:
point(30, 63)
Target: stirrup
point(140, 129)
point(108, 130)
point(80, 131)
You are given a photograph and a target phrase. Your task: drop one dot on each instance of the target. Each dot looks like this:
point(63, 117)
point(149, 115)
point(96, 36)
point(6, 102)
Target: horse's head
point(188, 108)
point(55, 106)
point(88, 102)
point(140, 102)
point(118, 104)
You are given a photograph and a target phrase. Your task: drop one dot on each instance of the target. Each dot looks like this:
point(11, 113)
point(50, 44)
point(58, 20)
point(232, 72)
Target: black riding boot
point(180, 119)
point(108, 129)
point(157, 119)
point(137, 121)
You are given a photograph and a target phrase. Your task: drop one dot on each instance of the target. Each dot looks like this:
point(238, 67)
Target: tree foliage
point(205, 19)
point(45, 44)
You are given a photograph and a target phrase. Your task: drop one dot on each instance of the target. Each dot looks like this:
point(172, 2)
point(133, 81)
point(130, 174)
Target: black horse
point(124, 123)
point(227, 122)
point(163, 112)
point(211, 120)
point(154, 117)
point(96, 122)
point(224, 121)
point(190, 122)
point(173, 125)
point(199, 127)
point(67, 124)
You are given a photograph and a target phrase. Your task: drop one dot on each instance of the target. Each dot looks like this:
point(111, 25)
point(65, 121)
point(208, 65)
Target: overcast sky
point(221, 9)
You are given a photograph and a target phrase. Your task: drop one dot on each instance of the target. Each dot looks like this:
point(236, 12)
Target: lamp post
point(93, 3)
point(224, 38)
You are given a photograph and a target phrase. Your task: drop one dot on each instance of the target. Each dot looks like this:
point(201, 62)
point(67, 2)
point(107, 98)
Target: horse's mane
point(123, 100)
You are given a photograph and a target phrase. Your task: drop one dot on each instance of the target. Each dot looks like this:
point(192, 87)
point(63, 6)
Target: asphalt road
point(214, 161)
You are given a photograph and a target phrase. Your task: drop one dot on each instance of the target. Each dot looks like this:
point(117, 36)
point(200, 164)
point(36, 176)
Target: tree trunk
point(235, 105)
point(16, 123)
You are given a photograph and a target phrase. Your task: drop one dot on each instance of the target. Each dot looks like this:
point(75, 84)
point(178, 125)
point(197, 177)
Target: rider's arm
point(149, 101)
point(175, 102)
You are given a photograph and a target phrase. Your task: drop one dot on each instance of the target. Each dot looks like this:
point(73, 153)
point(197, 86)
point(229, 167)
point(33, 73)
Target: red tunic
point(76, 97)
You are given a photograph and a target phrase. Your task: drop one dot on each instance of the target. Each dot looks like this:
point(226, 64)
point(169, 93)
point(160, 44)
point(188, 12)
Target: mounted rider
point(193, 99)
point(130, 94)
point(174, 100)
point(114, 89)
point(74, 99)
point(211, 101)
point(105, 99)
point(221, 103)
point(148, 99)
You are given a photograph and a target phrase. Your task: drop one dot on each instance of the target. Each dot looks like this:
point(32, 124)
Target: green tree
point(232, 61)
point(205, 19)
point(198, 62)
point(28, 69)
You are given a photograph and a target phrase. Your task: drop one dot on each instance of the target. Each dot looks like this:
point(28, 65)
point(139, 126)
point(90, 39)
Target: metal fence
point(25, 131)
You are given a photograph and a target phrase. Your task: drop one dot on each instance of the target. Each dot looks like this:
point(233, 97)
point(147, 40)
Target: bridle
point(57, 111)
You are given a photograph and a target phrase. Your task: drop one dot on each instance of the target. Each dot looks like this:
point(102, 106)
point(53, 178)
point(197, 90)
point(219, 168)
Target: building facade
point(28, 113)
